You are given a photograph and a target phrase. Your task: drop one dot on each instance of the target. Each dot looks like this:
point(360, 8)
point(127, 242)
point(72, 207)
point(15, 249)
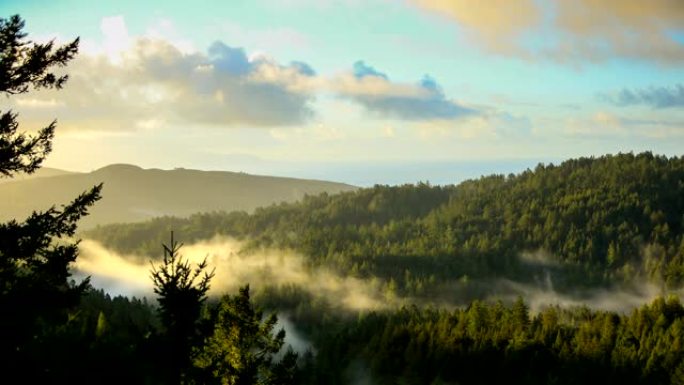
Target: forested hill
point(587, 221)
point(131, 193)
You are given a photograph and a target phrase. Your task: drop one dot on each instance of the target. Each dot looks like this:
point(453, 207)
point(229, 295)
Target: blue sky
point(321, 87)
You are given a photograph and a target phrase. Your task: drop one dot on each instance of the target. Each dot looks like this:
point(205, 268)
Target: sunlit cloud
point(149, 83)
point(129, 83)
point(571, 31)
point(116, 38)
point(380, 96)
point(496, 24)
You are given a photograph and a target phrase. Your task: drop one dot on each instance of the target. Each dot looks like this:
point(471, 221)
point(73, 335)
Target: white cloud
point(116, 38)
point(128, 83)
point(414, 102)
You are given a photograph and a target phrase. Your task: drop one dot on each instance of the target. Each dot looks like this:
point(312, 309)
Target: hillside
point(132, 194)
point(584, 223)
point(43, 172)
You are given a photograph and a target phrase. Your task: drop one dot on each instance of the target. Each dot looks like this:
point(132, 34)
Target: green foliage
point(487, 344)
point(231, 345)
point(587, 222)
point(182, 290)
point(242, 347)
point(35, 291)
point(108, 340)
point(24, 64)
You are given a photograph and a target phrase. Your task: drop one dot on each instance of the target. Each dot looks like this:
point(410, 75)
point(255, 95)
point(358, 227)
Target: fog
point(234, 267)
point(293, 338)
point(118, 274)
point(621, 300)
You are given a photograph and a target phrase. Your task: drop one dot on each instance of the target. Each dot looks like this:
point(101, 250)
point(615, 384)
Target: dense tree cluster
point(588, 222)
point(113, 340)
point(241, 348)
point(489, 343)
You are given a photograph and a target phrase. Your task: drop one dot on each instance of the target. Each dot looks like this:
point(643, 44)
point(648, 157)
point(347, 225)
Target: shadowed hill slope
point(132, 194)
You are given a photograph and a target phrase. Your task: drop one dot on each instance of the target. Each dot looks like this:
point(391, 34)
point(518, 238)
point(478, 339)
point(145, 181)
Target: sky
point(364, 92)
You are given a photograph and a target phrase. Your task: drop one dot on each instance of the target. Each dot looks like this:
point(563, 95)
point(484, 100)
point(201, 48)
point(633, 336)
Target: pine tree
point(242, 347)
point(182, 289)
point(35, 287)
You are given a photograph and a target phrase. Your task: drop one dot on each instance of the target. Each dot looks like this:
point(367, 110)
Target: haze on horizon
point(360, 92)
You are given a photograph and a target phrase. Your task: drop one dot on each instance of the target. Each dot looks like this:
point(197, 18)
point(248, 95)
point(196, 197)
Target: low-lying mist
point(118, 274)
point(619, 300)
point(234, 267)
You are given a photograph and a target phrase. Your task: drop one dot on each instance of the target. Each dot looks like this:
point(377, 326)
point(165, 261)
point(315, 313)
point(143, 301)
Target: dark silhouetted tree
point(35, 287)
point(182, 289)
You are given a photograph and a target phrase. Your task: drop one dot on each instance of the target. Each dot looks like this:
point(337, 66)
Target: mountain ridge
point(132, 193)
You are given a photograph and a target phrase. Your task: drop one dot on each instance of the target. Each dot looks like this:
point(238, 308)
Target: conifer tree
point(182, 289)
point(242, 348)
point(35, 287)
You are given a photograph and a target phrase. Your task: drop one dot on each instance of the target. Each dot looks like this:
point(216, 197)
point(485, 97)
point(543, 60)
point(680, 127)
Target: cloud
point(607, 125)
point(229, 60)
point(125, 83)
point(362, 70)
point(497, 24)
point(655, 97)
point(571, 30)
point(303, 68)
point(379, 95)
point(115, 34)
point(133, 82)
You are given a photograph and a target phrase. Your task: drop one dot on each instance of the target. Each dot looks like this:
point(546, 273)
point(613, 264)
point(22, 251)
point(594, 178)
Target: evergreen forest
point(563, 274)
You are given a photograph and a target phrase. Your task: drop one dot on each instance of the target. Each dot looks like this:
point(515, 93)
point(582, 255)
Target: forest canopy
point(591, 222)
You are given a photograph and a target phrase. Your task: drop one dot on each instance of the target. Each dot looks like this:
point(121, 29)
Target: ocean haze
point(367, 174)
point(370, 173)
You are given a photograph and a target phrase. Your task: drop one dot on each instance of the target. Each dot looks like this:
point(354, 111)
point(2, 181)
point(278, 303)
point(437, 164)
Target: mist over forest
point(335, 192)
point(264, 269)
point(576, 240)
